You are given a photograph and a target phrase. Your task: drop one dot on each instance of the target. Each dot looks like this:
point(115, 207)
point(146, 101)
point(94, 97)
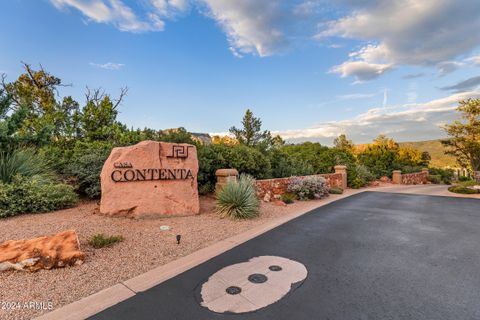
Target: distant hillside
point(436, 150)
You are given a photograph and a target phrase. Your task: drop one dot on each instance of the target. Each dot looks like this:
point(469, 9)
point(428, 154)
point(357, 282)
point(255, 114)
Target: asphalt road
point(370, 256)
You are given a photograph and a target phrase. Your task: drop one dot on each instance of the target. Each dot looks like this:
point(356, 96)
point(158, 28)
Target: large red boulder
point(59, 250)
point(150, 179)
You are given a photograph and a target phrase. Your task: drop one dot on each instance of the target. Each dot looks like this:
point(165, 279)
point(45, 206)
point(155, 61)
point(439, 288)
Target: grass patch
point(101, 240)
point(462, 190)
point(335, 190)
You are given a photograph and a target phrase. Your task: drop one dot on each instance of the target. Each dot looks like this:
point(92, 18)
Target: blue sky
point(311, 69)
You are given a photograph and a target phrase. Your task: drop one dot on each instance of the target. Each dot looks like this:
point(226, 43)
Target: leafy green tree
point(464, 141)
point(98, 119)
point(342, 143)
point(251, 133)
point(36, 90)
point(380, 156)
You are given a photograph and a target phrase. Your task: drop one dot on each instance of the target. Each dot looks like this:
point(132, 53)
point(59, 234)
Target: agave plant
point(238, 199)
point(23, 162)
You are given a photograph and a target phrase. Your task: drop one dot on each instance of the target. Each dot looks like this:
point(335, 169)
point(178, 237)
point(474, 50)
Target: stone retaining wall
point(274, 188)
point(415, 178)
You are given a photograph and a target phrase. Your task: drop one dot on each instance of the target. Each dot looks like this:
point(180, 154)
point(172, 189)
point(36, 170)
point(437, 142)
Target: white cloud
point(355, 96)
point(409, 32)
point(251, 26)
point(474, 60)
point(108, 65)
point(170, 8)
point(113, 12)
point(361, 70)
point(414, 121)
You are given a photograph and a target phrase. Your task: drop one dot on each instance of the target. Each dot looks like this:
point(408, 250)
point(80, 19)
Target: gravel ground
point(145, 247)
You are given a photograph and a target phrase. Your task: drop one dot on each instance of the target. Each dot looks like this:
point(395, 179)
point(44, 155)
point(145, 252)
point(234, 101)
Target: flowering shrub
point(313, 187)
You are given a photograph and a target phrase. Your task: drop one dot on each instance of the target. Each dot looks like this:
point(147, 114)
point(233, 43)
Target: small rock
point(267, 197)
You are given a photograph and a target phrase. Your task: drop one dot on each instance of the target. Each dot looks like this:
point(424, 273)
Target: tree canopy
point(464, 135)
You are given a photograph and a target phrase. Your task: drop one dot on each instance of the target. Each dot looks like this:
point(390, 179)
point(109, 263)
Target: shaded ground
point(370, 256)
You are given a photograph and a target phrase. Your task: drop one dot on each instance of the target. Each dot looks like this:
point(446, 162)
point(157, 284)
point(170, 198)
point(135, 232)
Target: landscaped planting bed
point(144, 247)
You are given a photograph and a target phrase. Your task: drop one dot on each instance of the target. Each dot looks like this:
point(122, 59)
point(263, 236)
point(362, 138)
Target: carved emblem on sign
point(179, 151)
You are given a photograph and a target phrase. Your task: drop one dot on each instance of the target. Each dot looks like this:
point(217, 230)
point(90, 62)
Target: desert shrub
point(435, 179)
point(446, 175)
point(288, 197)
point(311, 187)
point(24, 162)
point(358, 176)
point(462, 190)
point(101, 240)
point(86, 164)
point(34, 194)
point(238, 199)
point(335, 190)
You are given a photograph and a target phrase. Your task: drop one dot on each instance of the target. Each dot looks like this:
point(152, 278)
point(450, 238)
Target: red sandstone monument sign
point(150, 179)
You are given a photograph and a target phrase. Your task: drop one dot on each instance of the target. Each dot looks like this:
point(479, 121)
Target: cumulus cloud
point(251, 26)
point(113, 12)
point(108, 65)
point(409, 32)
point(361, 70)
point(414, 121)
point(466, 85)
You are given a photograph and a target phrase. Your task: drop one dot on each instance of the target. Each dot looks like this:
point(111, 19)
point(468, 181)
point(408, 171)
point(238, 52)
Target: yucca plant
point(22, 162)
point(238, 199)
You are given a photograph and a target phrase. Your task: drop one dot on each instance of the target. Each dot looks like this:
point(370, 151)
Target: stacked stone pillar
point(343, 171)
point(397, 176)
point(224, 176)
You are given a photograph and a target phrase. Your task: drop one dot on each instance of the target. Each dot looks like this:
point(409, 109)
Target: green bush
point(311, 187)
point(435, 179)
point(379, 159)
point(24, 162)
point(358, 176)
point(468, 183)
point(245, 159)
point(464, 178)
point(462, 190)
point(34, 194)
point(288, 197)
point(284, 165)
point(238, 199)
point(205, 189)
point(446, 175)
point(101, 240)
point(335, 190)
point(86, 165)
